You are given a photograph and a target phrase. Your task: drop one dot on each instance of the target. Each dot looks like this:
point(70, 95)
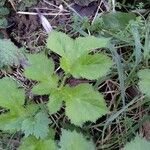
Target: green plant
point(82, 102)
point(137, 144)
point(3, 12)
point(22, 5)
point(9, 53)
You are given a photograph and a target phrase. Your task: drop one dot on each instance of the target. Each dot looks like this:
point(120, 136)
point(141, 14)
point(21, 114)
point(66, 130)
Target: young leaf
point(55, 100)
point(75, 56)
point(10, 95)
point(144, 83)
point(45, 86)
point(117, 20)
point(138, 144)
point(74, 141)
point(9, 53)
point(31, 143)
point(40, 68)
point(82, 103)
point(86, 44)
point(91, 66)
point(60, 43)
point(37, 126)
point(10, 122)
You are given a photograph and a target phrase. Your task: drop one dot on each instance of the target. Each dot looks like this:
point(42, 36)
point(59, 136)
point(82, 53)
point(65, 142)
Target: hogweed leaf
point(117, 20)
point(55, 100)
point(144, 83)
point(10, 122)
point(10, 95)
point(9, 53)
point(37, 126)
point(33, 143)
point(138, 144)
point(41, 69)
point(75, 59)
point(92, 66)
point(82, 102)
point(60, 43)
point(45, 87)
point(86, 44)
point(75, 141)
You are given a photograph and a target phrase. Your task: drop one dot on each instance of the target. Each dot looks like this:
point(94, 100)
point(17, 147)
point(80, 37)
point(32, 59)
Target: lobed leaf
point(40, 68)
point(60, 43)
point(37, 126)
point(82, 102)
point(9, 53)
point(117, 20)
point(10, 122)
point(92, 66)
point(75, 59)
point(37, 144)
point(74, 141)
point(138, 144)
point(55, 100)
point(144, 83)
point(10, 96)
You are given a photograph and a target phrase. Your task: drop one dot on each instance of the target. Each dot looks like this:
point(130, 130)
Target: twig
point(72, 9)
point(45, 14)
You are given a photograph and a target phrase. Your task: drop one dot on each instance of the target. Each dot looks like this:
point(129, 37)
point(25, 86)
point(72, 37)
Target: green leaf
point(60, 43)
point(4, 11)
point(40, 68)
point(82, 102)
point(46, 86)
point(2, 2)
point(91, 66)
point(138, 144)
point(10, 95)
point(3, 23)
point(9, 53)
point(88, 43)
point(37, 144)
point(10, 122)
point(74, 141)
point(55, 101)
point(144, 83)
point(25, 4)
point(37, 126)
point(75, 56)
point(117, 20)
point(73, 49)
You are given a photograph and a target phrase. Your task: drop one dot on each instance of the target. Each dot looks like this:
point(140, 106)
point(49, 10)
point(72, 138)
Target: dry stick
point(113, 5)
point(53, 5)
point(99, 7)
point(71, 8)
point(50, 4)
point(45, 14)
